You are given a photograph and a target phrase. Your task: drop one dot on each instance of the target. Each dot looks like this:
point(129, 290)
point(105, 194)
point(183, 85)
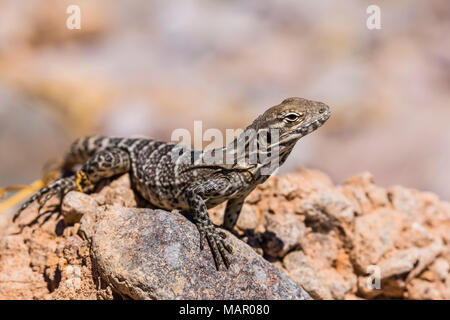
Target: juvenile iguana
point(170, 177)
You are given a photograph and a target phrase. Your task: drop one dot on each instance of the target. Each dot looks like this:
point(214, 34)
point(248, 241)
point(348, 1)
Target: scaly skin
point(192, 181)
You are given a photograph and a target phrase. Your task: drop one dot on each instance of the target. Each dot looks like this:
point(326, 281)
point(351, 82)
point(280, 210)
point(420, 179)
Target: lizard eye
point(292, 117)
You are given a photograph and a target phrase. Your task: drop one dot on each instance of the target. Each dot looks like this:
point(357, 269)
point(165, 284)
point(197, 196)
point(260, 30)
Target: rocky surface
point(350, 241)
point(153, 254)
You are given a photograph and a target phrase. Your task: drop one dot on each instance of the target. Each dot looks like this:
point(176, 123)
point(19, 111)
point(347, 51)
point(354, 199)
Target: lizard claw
point(216, 240)
point(222, 234)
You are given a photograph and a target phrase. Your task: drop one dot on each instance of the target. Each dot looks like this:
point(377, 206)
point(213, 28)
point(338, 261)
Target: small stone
point(283, 233)
point(52, 260)
point(325, 208)
point(399, 262)
point(75, 205)
point(99, 198)
point(300, 269)
point(287, 186)
point(340, 285)
point(441, 268)
point(378, 196)
point(419, 289)
point(119, 196)
point(323, 249)
point(403, 199)
point(249, 218)
point(374, 235)
point(253, 197)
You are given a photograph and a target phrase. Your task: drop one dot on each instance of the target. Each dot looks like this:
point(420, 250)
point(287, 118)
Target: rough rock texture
point(153, 254)
point(48, 262)
point(334, 241)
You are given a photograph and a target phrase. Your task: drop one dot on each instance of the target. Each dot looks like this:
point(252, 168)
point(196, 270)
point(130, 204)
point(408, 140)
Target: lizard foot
point(61, 186)
point(216, 240)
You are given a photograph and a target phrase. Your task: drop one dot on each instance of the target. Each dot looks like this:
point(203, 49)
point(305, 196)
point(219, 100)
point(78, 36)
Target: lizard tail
point(51, 172)
point(62, 185)
point(23, 193)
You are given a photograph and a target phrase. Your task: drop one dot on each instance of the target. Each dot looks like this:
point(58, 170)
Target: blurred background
point(149, 67)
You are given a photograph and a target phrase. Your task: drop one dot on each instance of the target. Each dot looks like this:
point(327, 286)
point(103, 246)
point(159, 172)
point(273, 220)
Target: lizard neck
point(253, 150)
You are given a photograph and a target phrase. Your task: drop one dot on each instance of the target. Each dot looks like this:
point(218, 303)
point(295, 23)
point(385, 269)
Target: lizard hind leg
point(102, 165)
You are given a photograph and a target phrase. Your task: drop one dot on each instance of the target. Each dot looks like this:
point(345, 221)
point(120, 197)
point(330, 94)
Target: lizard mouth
point(312, 126)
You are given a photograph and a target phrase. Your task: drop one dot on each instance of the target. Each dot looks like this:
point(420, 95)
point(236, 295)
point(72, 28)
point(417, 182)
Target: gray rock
point(154, 254)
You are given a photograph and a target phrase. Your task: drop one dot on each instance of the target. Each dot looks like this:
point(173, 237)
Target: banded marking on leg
point(46, 193)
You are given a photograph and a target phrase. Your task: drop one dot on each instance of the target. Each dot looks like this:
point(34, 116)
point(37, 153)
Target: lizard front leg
point(195, 196)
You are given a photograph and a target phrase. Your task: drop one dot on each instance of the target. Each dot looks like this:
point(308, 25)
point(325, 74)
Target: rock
point(75, 205)
point(324, 209)
point(288, 187)
point(307, 181)
point(340, 284)
point(249, 218)
point(153, 254)
point(328, 239)
point(323, 249)
point(17, 279)
point(399, 262)
point(404, 200)
point(366, 196)
point(327, 256)
point(374, 235)
point(119, 193)
point(39, 264)
point(420, 290)
point(300, 269)
point(441, 268)
point(283, 233)
point(425, 256)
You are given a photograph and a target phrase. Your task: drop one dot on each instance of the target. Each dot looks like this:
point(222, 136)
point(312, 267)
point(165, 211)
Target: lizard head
point(293, 118)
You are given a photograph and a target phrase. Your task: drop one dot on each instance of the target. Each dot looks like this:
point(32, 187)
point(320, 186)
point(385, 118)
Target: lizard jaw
point(304, 130)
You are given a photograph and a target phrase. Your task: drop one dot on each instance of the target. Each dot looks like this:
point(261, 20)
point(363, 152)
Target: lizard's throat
point(249, 152)
point(257, 156)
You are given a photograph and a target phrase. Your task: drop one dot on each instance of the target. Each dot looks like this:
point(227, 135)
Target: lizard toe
point(203, 239)
point(224, 252)
point(214, 249)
